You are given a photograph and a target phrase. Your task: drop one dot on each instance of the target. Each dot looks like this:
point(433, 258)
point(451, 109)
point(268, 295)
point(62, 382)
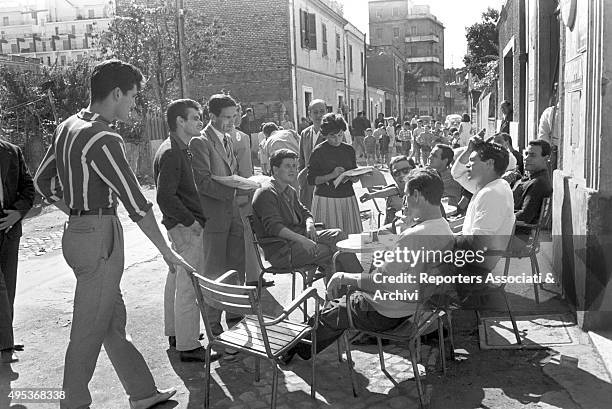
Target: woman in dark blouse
point(337, 207)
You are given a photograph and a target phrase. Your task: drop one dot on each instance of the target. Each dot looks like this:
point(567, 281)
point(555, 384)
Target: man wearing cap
point(85, 173)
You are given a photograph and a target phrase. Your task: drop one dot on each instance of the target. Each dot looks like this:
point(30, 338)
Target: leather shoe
point(264, 283)
point(172, 340)
point(286, 357)
point(198, 355)
point(8, 356)
point(157, 397)
point(18, 347)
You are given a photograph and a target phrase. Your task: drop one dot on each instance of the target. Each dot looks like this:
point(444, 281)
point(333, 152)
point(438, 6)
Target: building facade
point(17, 63)
point(386, 72)
point(543, 43)
point(419, 37)
point(279, 55)
point(54, 31)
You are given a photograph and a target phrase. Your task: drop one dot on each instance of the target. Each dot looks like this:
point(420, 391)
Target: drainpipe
point(293, 62)
point(347, 73)
point(366, 101)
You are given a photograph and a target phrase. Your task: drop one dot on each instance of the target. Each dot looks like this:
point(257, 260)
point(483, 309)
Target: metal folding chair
point(256, 334)
point(409, 332)
point(307, 271)
point(372, 182)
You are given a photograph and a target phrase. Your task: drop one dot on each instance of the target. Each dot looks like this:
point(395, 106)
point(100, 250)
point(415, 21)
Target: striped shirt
point(87, 168)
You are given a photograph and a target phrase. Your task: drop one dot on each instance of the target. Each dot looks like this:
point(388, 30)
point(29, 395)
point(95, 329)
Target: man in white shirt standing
point(489, 218)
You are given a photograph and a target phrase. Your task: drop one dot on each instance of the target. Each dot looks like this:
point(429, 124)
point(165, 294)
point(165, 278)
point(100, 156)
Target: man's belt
point(93, 212)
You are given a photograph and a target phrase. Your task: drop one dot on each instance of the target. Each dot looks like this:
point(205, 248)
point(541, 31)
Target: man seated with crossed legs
point(279, 213)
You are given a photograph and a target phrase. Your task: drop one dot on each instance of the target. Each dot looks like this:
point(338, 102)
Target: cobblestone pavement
point(233, 384)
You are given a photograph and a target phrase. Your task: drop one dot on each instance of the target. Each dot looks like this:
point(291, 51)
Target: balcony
point(415, 39)
point(430, 78)
point(416, 60)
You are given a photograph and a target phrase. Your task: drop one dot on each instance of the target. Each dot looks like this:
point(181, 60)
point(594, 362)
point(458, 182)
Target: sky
point(454, 14)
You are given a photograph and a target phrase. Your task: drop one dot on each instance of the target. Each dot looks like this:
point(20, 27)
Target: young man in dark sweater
point(178, 200)
point(530, 191)
point(279, 213)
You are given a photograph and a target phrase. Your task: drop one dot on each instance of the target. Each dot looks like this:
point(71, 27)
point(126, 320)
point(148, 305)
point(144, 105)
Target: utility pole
point(180, 45)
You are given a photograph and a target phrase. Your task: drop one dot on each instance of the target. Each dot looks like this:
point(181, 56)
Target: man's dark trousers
point(333, 321)
point(9, 247)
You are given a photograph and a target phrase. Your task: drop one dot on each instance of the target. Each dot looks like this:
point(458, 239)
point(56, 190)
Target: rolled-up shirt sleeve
point(46, 179)
point(109, 162)
point(459, 172)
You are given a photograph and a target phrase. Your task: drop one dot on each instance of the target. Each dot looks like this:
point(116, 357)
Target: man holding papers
point(213, 155)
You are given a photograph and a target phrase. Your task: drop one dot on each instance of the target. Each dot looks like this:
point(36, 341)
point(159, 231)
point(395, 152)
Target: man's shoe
point(157, 397)
point(198, 355)
point(287, 356)
point(264, 283)
point(18, 347)
point(172, 340)
point(8, 356)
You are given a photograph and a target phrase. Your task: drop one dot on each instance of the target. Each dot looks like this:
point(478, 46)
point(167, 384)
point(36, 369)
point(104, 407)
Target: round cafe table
point(355, 244)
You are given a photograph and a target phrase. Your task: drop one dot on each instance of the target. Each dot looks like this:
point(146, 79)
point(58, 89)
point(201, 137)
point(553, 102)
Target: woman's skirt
point(337, 213)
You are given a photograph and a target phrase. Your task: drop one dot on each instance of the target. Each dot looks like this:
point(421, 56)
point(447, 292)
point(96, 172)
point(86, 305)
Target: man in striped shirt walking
point(85, 173)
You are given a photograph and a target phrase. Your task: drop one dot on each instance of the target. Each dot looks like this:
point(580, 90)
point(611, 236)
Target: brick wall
point(254, 62)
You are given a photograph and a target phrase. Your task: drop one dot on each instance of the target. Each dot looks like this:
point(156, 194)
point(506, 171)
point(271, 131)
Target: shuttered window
point(308, 30)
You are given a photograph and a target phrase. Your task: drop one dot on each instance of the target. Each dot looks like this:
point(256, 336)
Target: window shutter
point(312, 32)
point(303, 24)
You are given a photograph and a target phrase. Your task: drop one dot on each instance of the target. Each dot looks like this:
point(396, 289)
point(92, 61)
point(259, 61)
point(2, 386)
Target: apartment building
point(419, 37)
point(279, 55)
point(54, 31)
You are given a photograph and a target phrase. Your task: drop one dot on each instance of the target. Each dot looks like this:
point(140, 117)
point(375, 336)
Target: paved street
point(492, 378)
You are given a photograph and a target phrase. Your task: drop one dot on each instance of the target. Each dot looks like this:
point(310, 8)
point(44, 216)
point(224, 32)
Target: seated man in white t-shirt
point(375, 305)
point(489, 218)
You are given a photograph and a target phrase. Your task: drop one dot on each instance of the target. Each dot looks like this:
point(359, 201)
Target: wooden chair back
point(236, 299)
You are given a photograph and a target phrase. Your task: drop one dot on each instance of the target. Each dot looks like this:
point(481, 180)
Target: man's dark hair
point(428, 182)
point(248, 110)
point(277, 157)
point(465, 118)
point(544, 145)
point(359, 113)
point(268, 128)
point(499, 154)
point(111, 74)
point(447, 153)
point(332, 124)
point(407, 123)
point(506, 136)
point(178, 108)
point(217, 102)
point(401, 158)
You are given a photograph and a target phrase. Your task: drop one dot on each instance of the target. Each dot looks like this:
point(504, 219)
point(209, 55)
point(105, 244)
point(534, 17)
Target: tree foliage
point(482, 44)
point(146, 35)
